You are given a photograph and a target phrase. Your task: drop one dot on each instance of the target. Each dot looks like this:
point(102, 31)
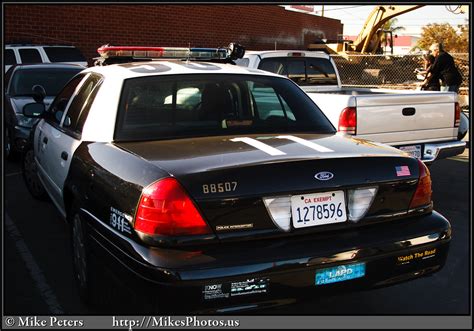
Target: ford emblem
point(324, 175)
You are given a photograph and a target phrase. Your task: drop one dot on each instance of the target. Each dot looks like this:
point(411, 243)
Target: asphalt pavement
point(38, 274)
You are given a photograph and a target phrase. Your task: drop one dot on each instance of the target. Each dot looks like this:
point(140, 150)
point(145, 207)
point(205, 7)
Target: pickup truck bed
point(421, 123)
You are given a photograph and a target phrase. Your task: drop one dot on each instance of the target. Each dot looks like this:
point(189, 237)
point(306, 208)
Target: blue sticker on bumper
point(340, 273)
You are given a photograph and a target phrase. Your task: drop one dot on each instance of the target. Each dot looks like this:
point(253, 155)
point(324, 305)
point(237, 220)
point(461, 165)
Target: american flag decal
point(403, 171)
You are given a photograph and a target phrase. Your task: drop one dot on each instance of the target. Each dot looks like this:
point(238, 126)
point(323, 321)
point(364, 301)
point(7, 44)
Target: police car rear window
point(163, 107)
point(64, 54)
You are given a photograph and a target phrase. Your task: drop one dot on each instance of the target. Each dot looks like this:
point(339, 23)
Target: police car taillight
point(422, 196)
point(166, 209)
point(360, 200)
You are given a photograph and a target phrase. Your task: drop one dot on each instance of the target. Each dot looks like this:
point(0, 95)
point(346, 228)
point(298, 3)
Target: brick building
point(90, 26)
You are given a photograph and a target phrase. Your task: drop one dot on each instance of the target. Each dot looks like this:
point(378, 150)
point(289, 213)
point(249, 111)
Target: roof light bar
point(234, 51)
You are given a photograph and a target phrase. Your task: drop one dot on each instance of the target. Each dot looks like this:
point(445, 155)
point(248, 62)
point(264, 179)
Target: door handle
point(45, 140)
point(408, 111)
point(64, 156)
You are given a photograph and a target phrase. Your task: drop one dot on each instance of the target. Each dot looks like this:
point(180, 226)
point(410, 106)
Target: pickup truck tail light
point(166, 209)
point(348, 120)
point(422, 196)
point(457, 114)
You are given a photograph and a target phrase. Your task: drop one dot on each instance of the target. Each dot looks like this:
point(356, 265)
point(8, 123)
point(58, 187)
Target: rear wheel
point(9, 152)
point(463, 126)
point(81, 259)
point(30, 176)
point(96, 288)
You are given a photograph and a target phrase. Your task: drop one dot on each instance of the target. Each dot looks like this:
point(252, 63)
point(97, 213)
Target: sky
point(354, 16)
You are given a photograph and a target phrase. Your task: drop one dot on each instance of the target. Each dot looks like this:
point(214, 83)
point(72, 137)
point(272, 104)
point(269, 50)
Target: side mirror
point(38, 93)
point(34, 110)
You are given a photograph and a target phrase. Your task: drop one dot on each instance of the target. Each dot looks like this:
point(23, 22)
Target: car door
point(64, 144)
point(51, 140)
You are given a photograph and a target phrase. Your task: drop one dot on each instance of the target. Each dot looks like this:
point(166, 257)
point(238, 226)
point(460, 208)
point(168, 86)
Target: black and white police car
point(219, 186)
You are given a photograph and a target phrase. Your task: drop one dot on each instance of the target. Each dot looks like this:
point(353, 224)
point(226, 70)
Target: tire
point(81, 258)
point(9, 152)
point(29, 172)
point(463, 126)
point(95, 288)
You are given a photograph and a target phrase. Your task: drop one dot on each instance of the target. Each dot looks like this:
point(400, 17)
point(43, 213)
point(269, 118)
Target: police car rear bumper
point(229, 275)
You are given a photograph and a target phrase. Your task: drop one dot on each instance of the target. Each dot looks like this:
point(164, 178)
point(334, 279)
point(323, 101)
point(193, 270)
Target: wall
point(87, 27)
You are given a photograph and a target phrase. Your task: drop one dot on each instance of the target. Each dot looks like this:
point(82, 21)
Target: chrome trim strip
point(109, 228)
point(419, 240)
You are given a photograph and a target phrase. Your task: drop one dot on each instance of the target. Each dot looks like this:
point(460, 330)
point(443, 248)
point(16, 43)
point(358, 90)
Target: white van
point(29, 54)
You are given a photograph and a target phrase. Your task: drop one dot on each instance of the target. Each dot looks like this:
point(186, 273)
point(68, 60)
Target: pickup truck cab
point(424, 124)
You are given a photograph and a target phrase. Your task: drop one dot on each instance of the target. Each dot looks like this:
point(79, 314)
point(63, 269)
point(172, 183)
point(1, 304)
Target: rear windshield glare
point(163, 107)
point(64, 54)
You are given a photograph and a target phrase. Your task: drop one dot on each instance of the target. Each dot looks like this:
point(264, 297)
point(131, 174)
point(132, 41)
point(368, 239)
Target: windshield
point(52, 79)
point(204, 105)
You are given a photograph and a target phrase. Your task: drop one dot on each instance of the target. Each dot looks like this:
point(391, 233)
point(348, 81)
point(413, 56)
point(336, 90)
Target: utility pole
point(322, 11)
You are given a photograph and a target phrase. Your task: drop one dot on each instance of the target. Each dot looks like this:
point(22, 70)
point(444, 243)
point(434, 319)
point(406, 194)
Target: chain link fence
point(393, 72)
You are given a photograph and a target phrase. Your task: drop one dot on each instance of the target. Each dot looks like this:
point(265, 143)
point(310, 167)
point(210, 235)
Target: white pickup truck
point(425, 124)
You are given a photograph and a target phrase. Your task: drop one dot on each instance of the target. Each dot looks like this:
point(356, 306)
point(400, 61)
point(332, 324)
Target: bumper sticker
point(227, 290)
point(422, 255)
point(340, 273)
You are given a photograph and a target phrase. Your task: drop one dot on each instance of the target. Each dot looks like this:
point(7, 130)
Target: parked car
point(19, 82)
point(197, 182)
point(31, 53)
point(424, 124)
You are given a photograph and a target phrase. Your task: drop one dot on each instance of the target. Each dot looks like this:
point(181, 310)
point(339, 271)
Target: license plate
point(414, 150)
point(340, 273)
point(318, 209)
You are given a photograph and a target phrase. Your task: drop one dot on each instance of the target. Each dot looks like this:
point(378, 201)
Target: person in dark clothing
point(445, 68)
point(431, 82)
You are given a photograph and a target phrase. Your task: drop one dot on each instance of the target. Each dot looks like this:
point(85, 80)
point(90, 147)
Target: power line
point(342, 8)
